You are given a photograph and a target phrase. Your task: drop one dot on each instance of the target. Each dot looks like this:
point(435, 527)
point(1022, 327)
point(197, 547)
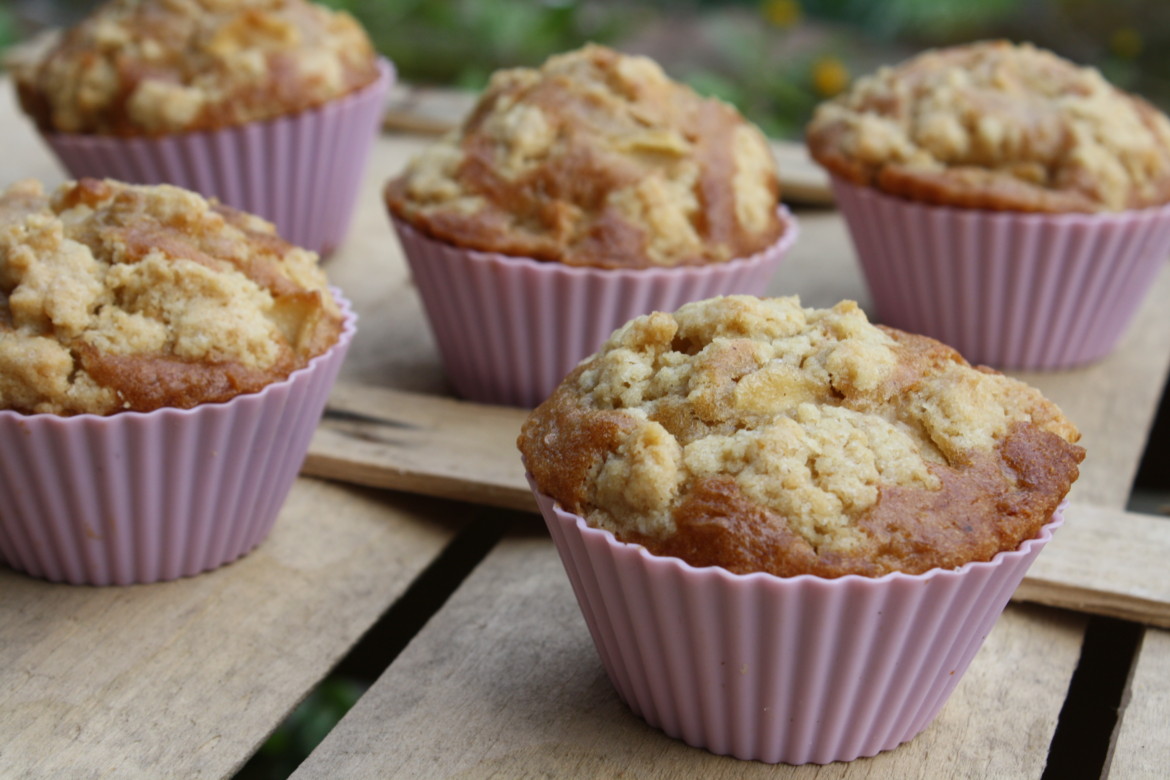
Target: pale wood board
point(25, 155)
point(394, 349)
point(437, 446)
point(505, 682)
point(1105, 562)
point(1113, 416)
point(801, 179)
point(186, 679)
point(1140, 750)
point(423, 444)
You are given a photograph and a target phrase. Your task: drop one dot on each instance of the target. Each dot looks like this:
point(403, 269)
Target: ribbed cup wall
point(795, 670)
point(147, 497)
point(509, 328)
point(1011, 290)
point(301, 172)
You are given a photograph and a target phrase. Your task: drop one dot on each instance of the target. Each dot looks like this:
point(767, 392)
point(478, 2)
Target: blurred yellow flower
point(1126, 42)
point(829, 76)
point(782, 13)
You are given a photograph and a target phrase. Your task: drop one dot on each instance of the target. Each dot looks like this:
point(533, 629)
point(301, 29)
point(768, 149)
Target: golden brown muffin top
point(152, 67)
point(758, 435)
point(116, 297)
point(596, 159)
point(993, 125)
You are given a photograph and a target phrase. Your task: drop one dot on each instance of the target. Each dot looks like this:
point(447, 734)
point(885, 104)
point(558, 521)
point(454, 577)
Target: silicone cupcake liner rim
point(782, 245)
point(301, 171)
point(1025, 547)
point(387, 74)
point(508, 329)
point(1087, 218)
point(348, 330)
point(187, 492)
point(1010, 289)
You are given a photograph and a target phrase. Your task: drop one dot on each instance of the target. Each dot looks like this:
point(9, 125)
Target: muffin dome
point(151, 67)
point(596, 159)
point(993, 125)
point(757, 435)
point(116, 297)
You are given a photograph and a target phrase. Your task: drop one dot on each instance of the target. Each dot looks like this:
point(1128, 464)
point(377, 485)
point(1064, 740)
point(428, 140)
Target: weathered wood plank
point(421, 443)
point(505, 682)
point(801, 180)
point(440, 446)
point(1140, 750)
point(1105, 562)
point(211, 661)
point(186, 679)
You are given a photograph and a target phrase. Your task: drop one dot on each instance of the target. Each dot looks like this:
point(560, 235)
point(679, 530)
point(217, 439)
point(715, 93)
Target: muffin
point(167, 358)
point(719, 479)
point(268, 105)
point(1001, 199)
point(574, 197)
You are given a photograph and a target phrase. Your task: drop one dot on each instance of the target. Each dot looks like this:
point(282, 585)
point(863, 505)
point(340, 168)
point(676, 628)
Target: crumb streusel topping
point(997, 126)
point(116, 297)
point(150, 67)
point(762, 436)
point(599, 159)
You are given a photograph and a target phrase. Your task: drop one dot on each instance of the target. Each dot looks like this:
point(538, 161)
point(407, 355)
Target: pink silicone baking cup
point(301, 172)
point(148, 497)
point(509, 328)
point(1012, 290)
point(781, 669)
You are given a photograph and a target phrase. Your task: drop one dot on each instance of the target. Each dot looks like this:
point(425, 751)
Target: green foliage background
point(737, 49)
point(774, 59)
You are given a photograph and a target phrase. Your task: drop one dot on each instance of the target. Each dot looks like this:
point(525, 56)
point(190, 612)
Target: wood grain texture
point(443, 447)
point(505, 682)
point(1105, 562)
point(394, 347)
point(186, 679)
point(423, 444)
point(1141, 750)
point(1114, 416)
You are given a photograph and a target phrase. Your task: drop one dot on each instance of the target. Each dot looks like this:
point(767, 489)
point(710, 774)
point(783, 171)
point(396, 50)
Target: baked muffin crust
point(993, 125)
point(757, 435)
point(116, 297)
point(596, 159)
point(151, 67)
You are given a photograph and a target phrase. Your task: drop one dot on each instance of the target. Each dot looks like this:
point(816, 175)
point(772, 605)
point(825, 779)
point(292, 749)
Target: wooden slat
point(801, 180)
point(1113, 416)
point(1140, 750)
point(186, 679)
point(505, 682)
point(216, 659)
point(1104, 561)
point(426, 110)
point(421, 443)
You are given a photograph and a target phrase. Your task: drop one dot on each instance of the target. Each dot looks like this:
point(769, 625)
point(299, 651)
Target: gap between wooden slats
point(1103, 561)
